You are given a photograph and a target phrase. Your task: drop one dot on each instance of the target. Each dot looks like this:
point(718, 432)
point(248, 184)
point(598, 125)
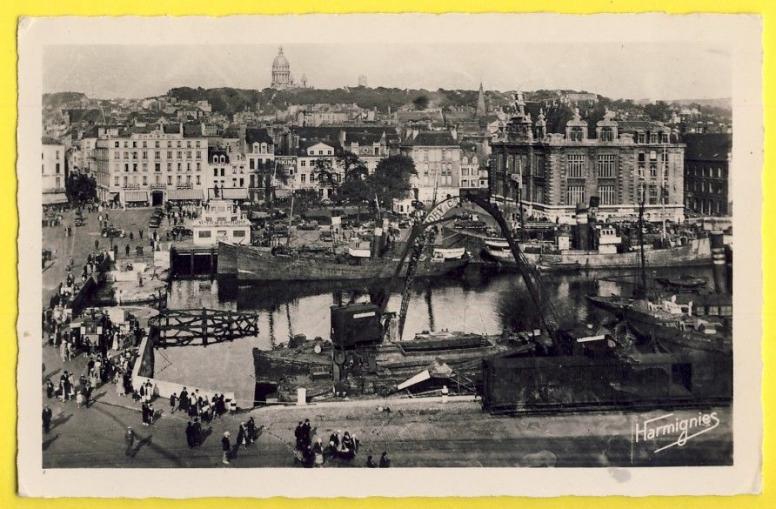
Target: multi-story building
point(54, 172)
point(310, 158)
point(707, 173)
point(227, 174)
point(149, 167)
point(437, 158)
point(370, 146)
point(474, 172)
point(242, 168)
point(550, 174)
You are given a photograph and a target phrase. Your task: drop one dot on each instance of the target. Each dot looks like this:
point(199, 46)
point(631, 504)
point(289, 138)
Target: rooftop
point(708, 147)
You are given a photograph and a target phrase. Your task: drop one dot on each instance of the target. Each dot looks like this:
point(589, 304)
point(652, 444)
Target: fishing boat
point(251, 263)
point(694, 252)
point(672, 321)
point(685, 281)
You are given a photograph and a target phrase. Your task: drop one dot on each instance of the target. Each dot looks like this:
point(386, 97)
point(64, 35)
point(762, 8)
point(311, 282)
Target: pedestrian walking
point(129, 439)
point(190, 434)
point(242, 436)
point(173, 402)
point(226, 446)
point(250, 427)
point(126, 249)
point(47, 414)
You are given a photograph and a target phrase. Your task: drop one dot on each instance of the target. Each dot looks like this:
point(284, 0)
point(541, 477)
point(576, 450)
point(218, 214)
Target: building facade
point(53, 172)
point(437, 158)
point(551, 174)
point(707, 173)
point(150, 168)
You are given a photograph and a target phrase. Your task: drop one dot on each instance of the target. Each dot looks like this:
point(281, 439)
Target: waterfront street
point(81, 243)
point(415, 433)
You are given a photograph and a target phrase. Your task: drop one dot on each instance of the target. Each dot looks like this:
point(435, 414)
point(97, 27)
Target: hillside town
point(381, 277)
point(172, 148)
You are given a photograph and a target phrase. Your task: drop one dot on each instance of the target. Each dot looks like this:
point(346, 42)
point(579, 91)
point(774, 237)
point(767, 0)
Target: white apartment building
point(150, 168)
point(54, 172)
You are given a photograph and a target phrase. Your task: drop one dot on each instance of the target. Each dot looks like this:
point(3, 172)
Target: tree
point(420, 102)
point(356, 185)
point(391, 179)
point(80, 188)
point(323, 169)
point(659, 111)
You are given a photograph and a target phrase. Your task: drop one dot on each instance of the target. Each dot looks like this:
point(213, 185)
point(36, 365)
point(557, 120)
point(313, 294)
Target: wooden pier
point(188, 260)
point(183, 327)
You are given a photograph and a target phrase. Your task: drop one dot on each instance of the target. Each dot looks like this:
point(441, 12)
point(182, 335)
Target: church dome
point(280, 62)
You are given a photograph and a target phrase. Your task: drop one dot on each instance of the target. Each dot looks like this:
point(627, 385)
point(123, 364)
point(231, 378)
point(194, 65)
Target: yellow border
point(11, 10)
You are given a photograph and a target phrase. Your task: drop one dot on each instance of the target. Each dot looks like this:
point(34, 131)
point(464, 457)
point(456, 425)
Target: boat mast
point(663, 191)
point(643, 287)
point(290, 217)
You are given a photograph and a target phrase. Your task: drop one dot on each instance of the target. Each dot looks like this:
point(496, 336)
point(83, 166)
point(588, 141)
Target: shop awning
point(229, 194)
point(135, 196)
point(184, 194)
point(54, 198)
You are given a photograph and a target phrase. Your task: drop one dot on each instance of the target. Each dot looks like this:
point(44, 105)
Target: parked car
point(112, 232)
point(182, 231)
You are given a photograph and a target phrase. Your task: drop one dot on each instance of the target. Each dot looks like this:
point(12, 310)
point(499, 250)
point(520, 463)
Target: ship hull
point(664, 332)
point(696, 252)
point(251, 264)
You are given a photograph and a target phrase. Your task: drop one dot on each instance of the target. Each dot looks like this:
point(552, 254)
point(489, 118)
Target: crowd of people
point(180, 212)
point(247, 433)
point(311, 451)
point(196, 405)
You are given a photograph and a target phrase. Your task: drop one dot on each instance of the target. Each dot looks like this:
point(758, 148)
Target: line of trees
point(391, 179)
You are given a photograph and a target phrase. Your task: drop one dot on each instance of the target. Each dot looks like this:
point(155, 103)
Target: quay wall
point(143, 371)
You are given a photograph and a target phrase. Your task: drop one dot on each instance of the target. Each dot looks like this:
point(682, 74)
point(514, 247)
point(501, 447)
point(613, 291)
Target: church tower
point(482, 109)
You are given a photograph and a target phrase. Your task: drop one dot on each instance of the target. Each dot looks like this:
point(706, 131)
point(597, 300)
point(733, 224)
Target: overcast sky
point(622, 70)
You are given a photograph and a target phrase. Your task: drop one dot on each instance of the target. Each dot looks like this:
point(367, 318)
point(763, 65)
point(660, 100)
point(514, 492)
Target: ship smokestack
point(582, 229)
point(718, 262)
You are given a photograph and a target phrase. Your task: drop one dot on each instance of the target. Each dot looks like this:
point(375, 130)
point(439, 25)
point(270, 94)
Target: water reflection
point(475, 302)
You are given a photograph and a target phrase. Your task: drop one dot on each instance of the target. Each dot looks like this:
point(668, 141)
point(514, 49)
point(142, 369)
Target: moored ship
point(694, 252)
point(249, 263)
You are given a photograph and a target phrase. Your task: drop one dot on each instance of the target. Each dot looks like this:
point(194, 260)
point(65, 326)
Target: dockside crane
point(422, 235)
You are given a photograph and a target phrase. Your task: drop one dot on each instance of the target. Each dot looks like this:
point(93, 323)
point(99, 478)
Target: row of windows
point(653, 137)
point(575, 194)
point(705, 187)
point(157, 155)
point(157, 180)
point(157, 144)
point(705, 172)
point(303, 177)
point(158, 167)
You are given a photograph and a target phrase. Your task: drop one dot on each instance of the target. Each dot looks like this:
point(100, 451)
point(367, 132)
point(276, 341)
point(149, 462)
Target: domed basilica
point(281, 73)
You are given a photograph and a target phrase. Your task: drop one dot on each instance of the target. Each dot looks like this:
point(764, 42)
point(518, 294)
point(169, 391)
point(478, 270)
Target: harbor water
point(474, 302)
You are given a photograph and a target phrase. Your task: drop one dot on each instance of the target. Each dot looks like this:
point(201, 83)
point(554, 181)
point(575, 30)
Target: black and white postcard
point(485, 254)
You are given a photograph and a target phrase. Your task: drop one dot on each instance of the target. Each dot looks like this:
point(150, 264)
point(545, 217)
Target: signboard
point(438, 212)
